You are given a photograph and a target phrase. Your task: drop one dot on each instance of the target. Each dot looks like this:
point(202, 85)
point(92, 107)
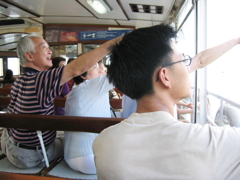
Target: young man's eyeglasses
point(187, 61)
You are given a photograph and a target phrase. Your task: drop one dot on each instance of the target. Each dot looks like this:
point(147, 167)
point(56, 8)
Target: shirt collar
point(29, 70)
point(148, 118)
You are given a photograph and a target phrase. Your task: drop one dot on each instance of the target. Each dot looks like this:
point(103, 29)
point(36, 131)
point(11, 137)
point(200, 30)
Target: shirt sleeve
point(48, 85)
point(65, 89)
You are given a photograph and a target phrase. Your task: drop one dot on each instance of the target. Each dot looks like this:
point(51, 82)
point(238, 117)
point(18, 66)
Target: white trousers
point(84, 164)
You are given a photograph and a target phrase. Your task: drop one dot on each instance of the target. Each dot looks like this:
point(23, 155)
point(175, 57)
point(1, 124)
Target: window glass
point(222, 25)
point(186, 43)
point(222, 75)
point(65, 51)
point(1, 67)
point(184, 11)
point(89, 47)
point(14, 65)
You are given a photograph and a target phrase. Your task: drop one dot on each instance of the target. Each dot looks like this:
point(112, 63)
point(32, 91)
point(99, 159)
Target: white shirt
point(156, 146)
point(91, 99)
point(129, 106)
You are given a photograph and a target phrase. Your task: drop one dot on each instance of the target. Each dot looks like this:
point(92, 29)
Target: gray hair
point(25, 45)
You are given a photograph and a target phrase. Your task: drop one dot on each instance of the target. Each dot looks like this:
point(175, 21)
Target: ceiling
point(43, 12)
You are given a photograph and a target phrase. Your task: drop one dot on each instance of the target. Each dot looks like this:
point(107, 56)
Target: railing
point(5, 91)
point(222, 99)
point(60, 102)
point(55, 122)
point(6, 81)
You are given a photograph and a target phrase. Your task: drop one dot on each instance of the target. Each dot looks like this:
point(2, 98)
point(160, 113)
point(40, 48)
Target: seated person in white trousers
point(89, 97)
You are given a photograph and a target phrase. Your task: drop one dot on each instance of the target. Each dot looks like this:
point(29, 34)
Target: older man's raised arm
point(86, 61)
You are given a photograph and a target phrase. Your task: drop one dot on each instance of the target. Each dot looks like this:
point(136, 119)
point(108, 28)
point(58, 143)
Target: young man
point(33, 92)
point(147, 66)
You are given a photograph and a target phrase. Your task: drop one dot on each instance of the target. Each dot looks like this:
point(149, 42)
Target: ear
point(164, 77)
point(28, 56)
point(83, 77)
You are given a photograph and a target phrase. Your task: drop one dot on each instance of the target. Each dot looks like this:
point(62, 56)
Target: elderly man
point(147, 66)
point(33, 93)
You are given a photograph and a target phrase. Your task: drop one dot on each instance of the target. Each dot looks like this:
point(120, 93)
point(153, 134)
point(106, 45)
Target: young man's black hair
point(135, 58)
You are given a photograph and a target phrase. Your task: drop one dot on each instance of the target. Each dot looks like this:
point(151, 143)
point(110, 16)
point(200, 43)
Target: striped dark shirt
point(33, 92)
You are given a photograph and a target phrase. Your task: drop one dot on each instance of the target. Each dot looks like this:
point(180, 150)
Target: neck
point(34, 67)
point(153, 103)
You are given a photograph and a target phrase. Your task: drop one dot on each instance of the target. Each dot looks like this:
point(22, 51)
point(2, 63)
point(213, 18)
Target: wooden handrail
point(4, 101)
point(116, 103)
point(12, 176)
point(61, 123)
point(60, 102)
point(5, 91)
point(6, 81)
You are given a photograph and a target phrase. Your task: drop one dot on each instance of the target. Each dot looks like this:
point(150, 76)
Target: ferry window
point(14, 65)
point(222, 25)
point(89, 47)
point(222, 75)
point(65, 51)
point(187, 33)
point(186, 43)
point(1, 67)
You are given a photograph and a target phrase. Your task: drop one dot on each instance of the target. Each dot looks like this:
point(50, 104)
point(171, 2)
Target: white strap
point(39, 133)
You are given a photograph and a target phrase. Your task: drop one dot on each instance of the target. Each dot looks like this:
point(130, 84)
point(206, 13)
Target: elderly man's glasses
point(187, 61)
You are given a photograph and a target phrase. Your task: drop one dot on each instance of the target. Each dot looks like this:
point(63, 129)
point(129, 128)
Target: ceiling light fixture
point(99, 6)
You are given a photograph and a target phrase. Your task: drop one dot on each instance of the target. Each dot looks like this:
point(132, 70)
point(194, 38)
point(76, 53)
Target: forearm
point(181, 103)
point(184, 104)
point(184, 111)
point(86, 61)
point(207, 56)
